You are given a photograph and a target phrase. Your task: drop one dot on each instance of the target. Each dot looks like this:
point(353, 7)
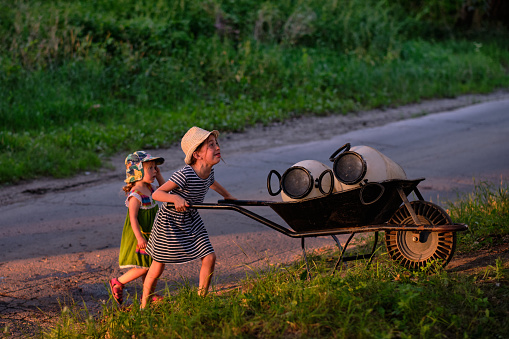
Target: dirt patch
point(480, 260)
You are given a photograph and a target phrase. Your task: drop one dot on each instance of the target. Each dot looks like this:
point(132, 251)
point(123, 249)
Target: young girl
point(178, 235)
point(141, 171)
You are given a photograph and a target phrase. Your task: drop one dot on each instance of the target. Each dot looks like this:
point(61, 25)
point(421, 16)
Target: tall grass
point(87, 79)
point(382, 302)
point(486, 211)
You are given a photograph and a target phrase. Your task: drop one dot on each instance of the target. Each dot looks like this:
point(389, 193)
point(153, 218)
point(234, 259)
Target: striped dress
point(179, 237)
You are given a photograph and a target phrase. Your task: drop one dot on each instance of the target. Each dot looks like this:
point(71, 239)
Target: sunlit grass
point(486, 211)
point(381, 301)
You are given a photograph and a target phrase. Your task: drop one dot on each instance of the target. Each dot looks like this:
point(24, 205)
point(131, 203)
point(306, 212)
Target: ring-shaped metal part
point(269, 186)
point(371, 184)
point(345, 147)
point(319, 182)
point(350, 168)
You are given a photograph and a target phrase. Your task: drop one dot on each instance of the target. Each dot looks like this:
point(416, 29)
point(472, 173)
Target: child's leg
point(155, 271)
point(132, 274)
point(207, 269)
point(117, 285)
point(155, 297)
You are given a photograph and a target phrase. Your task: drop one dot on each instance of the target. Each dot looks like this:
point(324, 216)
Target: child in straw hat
point(178, 235)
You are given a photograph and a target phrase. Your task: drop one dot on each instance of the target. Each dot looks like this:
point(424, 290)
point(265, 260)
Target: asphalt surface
point(64, 245)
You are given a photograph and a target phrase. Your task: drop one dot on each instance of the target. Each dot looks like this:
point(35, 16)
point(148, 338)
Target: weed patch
point(486, 211)
point(355, 303)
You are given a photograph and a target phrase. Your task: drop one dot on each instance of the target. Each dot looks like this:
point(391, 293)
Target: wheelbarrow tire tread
point(438, 247)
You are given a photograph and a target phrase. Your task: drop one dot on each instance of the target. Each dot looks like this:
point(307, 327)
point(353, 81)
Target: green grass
point(384, 301)
point(82, 80)
point(380, 301)
point(486, 211)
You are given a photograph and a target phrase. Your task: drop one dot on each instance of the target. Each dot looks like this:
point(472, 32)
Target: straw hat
point(192, 139)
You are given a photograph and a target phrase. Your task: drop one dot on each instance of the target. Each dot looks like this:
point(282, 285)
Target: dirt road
point(33, 286)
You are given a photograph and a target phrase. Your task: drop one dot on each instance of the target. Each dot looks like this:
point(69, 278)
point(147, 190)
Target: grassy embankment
point(380, 301)
point(81, 80)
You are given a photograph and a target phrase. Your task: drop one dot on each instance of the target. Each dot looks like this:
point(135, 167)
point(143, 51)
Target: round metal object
point(415, 250)
point(297, 182)
point(349, 168)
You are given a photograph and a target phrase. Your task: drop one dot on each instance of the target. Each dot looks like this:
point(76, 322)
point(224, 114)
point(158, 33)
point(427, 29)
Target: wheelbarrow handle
point(245, 202)
point(226, 202)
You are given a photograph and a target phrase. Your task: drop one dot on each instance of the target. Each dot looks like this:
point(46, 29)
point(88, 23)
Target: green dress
point(130, 255)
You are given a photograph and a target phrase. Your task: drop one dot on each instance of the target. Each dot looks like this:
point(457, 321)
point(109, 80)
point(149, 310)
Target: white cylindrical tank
point(362, 163)
point(304, 179)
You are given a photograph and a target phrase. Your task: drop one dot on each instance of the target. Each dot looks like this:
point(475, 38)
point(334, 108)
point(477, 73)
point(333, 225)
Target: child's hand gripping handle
point(180, 204)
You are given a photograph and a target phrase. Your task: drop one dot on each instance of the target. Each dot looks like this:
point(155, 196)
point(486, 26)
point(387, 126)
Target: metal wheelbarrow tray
point(416, 233)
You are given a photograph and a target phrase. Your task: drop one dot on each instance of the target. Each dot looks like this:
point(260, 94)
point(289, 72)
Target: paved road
point(79, 230)
point(449, 149)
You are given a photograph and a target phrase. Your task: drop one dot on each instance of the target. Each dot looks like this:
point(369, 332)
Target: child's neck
point(142, 186)
point(201, 169)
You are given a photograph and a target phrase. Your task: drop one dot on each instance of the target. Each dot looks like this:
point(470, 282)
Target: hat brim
point(189, 155)
point(158, 160)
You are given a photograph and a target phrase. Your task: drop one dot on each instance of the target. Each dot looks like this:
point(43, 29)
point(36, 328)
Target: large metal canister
point(307, 179)
point(361, 164)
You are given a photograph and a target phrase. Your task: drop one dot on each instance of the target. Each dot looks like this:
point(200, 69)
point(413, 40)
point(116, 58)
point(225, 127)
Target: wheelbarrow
point(416, 232)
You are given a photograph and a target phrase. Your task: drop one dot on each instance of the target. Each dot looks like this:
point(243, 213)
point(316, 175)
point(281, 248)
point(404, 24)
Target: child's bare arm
point(163, 194)
point(221, 190)
point(134, 207)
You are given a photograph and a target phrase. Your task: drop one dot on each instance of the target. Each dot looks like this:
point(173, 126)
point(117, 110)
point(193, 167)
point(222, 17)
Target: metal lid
point(297, 182)
point(349, 168)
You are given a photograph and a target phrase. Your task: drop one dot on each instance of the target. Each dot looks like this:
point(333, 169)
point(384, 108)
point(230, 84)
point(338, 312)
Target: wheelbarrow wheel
point(415, 250)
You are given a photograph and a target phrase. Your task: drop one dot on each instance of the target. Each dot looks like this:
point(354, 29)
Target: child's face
point(209, 152)
point(150, 171)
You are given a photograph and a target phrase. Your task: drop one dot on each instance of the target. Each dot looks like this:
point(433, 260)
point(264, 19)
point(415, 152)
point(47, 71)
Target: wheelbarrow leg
point(337, 242)
point(340, 248)
point(364, 256)
point(305, 256)
point(373, 250)
point(342, 253)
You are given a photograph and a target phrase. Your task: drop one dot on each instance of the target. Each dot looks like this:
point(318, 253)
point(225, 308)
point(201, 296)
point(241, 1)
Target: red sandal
point(117, 289)
point(155, 298)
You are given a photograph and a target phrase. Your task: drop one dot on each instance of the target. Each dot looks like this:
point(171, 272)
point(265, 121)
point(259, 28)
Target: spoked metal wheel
point(416, 249)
